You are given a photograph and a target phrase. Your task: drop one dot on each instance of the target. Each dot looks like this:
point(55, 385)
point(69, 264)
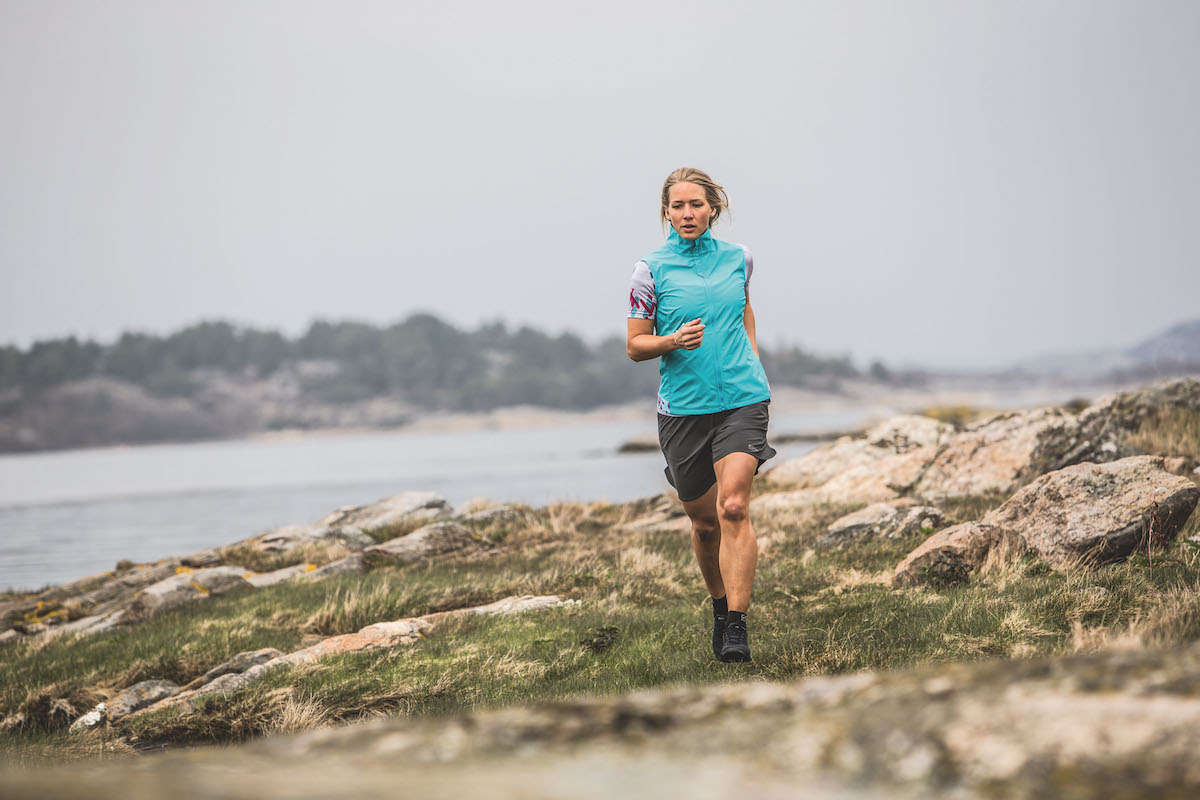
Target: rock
point(9, 635)
point(289, 537)
point(139, 696)
point(663, 514)
point(909, 432)
point(185, 587)
point(94, 624)
point(950, 556)
point(350, 565)
point(1098, 512)
point(92, 719)
point(1105, 422)
point(891, 520)
point(205, 558)
point(424, 543)
point(349, 525)
point(992, 455)
point(259, 580)
point(921, 458)
point(504, 513)
point(12, 722)
point(880, 480)
point(896, 436)
point(1176, 464)
point(399, 509)
point(240, 663)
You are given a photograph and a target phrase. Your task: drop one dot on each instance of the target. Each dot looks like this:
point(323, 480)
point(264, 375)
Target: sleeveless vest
point(705, 278)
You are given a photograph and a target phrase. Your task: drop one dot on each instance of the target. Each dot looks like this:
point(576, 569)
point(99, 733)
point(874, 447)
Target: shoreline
point(878, 400)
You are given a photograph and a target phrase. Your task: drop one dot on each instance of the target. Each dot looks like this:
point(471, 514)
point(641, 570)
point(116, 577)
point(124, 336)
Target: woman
point(690, 305)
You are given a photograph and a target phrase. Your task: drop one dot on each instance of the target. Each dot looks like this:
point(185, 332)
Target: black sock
point(736, 616)
point(720, 606)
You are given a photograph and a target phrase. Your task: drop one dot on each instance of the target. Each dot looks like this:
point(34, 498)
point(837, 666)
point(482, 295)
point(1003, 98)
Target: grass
point(1170, 432)
point(642, 622)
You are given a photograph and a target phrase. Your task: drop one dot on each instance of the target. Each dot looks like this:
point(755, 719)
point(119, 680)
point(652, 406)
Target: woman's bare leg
point(706, 539)
point(738, 547)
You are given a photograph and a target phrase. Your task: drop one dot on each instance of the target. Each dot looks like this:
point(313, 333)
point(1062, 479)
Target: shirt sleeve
point(749, 266)
point(642, 301)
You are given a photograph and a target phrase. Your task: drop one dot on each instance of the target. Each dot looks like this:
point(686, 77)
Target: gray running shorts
point(693, 443)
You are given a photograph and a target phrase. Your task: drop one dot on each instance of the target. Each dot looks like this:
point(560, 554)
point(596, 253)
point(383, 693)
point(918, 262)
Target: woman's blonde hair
point(714, 192)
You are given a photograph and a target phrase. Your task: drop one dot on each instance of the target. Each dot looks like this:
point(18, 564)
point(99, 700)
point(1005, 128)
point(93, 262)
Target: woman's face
point(688, 210)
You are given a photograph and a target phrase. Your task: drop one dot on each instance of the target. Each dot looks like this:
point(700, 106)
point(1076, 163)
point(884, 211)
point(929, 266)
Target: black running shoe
point(718, 633)
point(736, 645)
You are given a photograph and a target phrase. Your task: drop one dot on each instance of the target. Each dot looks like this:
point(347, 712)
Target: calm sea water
point(72, 513)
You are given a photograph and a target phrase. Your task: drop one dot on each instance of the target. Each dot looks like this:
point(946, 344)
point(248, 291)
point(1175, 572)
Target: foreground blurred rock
point(1112, 724)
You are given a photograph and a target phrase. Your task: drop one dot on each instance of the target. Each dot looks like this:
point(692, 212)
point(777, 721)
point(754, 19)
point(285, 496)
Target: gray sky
point(946, 183)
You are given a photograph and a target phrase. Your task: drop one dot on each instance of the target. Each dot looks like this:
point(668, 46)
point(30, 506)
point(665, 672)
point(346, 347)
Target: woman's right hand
point(690, 335)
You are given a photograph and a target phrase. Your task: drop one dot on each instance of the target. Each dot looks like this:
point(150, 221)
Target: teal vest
point(705, 278)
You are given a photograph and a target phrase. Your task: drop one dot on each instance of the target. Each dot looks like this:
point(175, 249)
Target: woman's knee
point(705, 526)
point(733, 508)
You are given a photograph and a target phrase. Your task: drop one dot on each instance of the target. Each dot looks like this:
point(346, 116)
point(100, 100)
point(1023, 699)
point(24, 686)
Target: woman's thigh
point(735, 474)
point(703, 510)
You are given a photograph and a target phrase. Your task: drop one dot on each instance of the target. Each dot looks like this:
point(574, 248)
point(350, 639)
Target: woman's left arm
point(748, 320)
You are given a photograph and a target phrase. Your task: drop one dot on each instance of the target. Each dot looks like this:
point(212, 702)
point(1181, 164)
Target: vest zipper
point(716, 354)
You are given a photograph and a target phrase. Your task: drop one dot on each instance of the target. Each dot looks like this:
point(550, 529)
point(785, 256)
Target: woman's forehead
point(686, 190)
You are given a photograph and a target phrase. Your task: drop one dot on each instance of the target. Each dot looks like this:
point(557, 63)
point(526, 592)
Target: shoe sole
point(734, 656)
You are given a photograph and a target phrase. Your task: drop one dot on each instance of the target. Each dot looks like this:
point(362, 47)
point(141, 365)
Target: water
point(72, 513)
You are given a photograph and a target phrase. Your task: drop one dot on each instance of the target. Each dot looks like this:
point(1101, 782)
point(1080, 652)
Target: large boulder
point(950, 556)
point(992, 455)
point(1098, 512)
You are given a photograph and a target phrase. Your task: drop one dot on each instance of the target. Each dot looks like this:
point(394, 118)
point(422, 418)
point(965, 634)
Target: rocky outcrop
point(892, 520)
point(1099, 512)
point(950, 556)
point(931, 462)
point(135, 592)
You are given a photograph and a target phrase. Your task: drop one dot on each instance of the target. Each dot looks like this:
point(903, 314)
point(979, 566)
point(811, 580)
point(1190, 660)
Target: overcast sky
point(943, 183)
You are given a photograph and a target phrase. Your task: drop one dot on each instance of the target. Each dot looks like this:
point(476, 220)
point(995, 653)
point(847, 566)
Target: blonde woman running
point(689, 306)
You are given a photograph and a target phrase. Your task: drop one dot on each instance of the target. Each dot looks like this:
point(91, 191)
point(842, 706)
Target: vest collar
point(704, 243)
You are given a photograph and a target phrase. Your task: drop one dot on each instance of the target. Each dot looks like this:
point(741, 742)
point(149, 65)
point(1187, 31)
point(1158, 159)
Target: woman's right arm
point(641, 344)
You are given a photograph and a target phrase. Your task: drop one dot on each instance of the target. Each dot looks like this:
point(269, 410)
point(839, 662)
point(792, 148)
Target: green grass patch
point(642, 622)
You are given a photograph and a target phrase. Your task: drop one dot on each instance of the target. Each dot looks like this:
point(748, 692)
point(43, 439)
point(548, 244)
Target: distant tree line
point(424, 360)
